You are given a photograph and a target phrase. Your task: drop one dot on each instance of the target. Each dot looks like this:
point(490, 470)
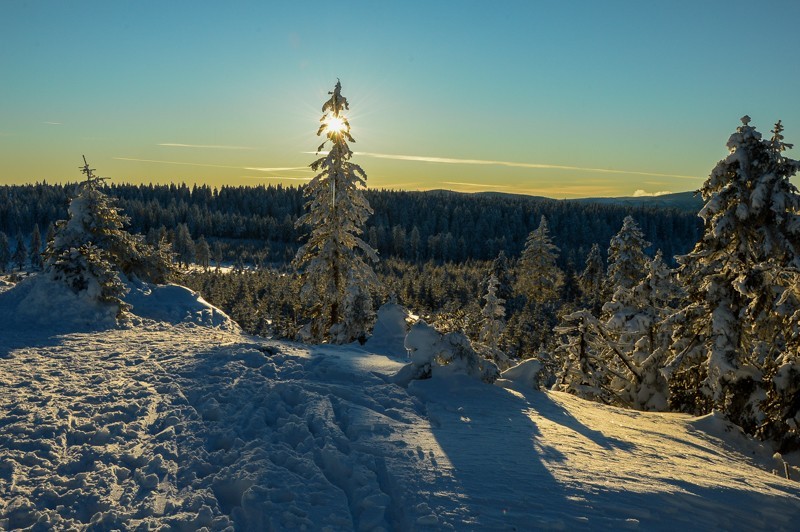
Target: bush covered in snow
point(435, 354)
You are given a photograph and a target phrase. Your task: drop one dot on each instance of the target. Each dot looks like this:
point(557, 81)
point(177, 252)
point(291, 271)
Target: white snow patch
point(182, 425)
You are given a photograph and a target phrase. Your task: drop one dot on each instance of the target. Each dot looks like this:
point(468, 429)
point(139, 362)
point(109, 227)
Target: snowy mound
point(160, 427)
point(38, 301)
point(389, 333)
point(175, 304)
point(526, 373)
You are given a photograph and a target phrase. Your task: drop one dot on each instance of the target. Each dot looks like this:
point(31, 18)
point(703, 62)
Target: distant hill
point(685, 201)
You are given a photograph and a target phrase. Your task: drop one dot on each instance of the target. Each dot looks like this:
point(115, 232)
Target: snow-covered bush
point(435, 354)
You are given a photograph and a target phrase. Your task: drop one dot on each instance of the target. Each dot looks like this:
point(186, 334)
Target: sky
point(562, 99)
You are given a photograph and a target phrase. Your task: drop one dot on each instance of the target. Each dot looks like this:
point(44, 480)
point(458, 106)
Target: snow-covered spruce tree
point(90, 247)
point(539, 278)
point(183, 246)
point(493, 324)
point(627, 261)
point(493, 314)
point(734, 344)
point(637, 339)
point(501, 270)
point(582, 372)
point(20, 252)
point(591, 280)
point(332, 261)
point(203, 252)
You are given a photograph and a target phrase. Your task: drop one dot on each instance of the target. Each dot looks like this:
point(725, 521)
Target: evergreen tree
point(183, 245)
point(91, 247)
point(80, 251)
point(539, 277)
point(332, 261)
point(36, 248)
point(637, 338)
point(734, 337)
point(592, 279)
point(493, 314)
point(203, 252)
point(626, 259)
point(20, 252)
point(5, 252)
point(582, 373)
point(501, 270)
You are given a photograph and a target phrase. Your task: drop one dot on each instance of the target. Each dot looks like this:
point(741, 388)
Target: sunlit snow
point(177, 419)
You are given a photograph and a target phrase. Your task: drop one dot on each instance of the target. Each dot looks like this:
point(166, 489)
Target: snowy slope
point(179, 420)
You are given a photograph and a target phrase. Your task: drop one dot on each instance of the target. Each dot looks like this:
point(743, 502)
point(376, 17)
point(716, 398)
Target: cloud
point(641, 193)
point(278, 169)
point(53, 123)
point(480, 185)
point(277, 177)
point(206, 146)
point(286, 169)
point(489, 162)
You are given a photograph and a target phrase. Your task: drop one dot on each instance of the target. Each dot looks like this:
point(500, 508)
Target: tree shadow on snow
point(490, 436)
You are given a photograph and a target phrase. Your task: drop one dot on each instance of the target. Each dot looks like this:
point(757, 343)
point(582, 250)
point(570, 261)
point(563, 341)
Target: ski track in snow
point(185, 426)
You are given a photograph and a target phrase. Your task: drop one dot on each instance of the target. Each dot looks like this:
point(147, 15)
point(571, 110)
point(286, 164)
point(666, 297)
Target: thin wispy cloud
point(53, 123)
point(511, 164)
point(286, 169)
point(204, 146)
point(252, 169)
point(479, 185)
point(277, 177)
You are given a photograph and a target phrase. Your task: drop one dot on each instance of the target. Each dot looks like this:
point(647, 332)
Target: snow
point(176, 419)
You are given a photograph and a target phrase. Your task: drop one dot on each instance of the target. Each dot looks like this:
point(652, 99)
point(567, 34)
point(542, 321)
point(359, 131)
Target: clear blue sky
point(627, 95)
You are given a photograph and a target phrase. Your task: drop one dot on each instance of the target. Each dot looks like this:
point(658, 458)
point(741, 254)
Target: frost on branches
point(334, 263)
point(736, 338)
point(91, 247)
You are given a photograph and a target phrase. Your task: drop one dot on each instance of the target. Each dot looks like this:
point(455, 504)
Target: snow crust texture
point(185, 425)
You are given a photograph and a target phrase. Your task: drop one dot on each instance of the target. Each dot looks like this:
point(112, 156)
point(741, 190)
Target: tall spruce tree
point(627, 261)
point(539, 278)
point(735, 338)
point(20, 252)
point(493, 314)
point(334, 262)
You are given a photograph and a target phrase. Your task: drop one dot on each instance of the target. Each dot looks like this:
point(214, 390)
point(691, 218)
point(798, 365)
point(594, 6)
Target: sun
point(335, 124)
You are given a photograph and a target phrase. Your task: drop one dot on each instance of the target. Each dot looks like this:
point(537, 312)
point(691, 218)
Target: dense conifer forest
point(258, 223)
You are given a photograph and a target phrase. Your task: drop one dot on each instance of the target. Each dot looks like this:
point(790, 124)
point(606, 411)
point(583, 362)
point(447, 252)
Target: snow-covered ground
point(179, 420)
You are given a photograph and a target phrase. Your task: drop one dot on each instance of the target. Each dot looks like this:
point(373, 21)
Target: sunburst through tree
point(337, 276)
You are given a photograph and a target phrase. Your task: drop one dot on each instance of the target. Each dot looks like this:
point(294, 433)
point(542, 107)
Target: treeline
point(413, 226)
